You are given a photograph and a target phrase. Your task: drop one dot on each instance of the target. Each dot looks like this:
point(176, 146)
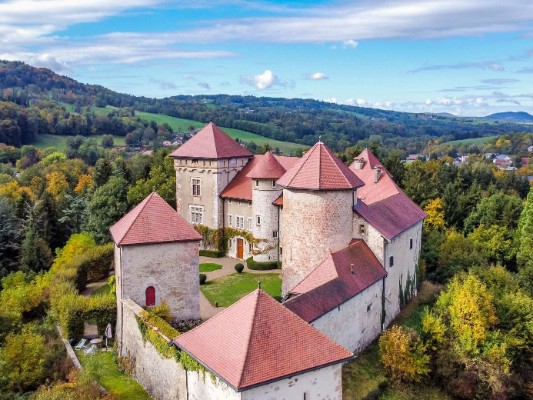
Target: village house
point(348, 240)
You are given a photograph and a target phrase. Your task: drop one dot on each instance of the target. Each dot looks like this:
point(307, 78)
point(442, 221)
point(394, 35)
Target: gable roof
point(383, 204)
point(332, 282)
point(267, 167)
point(257, 340)
point(211, 143)
point(320, 169)
point(152, 221)
point(240, 187)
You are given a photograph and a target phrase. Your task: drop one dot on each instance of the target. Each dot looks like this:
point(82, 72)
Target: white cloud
point(361, 102)
point(428, 102)
point(265, 80)
point(317, 76)
point(350, 43)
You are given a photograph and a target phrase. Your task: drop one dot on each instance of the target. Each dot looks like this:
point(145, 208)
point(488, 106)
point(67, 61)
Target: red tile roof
point(152, 221)
point(332, 282)
point(278, 201)
point(382, 203)
point(268, 167)
point(211, 143)
point(320, 169)
point(257, 340)
point(240, 187)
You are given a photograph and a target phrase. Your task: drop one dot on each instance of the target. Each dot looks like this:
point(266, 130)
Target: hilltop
point(299, 121)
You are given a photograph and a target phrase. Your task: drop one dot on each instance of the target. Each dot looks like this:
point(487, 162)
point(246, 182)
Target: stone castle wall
point(315, 223)
point(163, 378)
point(264, 193)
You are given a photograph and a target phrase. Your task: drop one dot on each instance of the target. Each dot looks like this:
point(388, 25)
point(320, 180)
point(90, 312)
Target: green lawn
point(102, 367)
point(481, 140)
point(102, 290)
point(208, 267)
point(228, 289)
point(60, 142)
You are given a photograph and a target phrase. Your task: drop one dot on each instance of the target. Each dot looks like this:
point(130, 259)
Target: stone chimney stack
point(377, 173)
point(358, 164)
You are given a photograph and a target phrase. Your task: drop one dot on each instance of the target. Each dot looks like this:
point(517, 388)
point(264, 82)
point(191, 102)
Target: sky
point(465, 57)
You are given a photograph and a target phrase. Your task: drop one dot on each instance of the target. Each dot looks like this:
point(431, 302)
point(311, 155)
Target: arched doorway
point(150, 296)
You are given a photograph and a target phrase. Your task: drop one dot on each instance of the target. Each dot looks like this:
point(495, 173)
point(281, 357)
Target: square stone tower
point(156, 260)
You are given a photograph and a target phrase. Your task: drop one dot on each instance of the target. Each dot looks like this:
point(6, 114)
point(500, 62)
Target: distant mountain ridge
point(512, 116)
point(300, 121)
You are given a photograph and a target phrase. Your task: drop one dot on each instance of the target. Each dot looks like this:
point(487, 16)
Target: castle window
point(250, 204)
point(411, 244)
point(229, 243)
point(230, 220)
point(258, 219)
point(391, 261)
point(195, 187)
point(197, 214)
point(362, 229)
point(369, 307)
point(274, 234)
point(250, 247)
point(150, 296)
point(257, 182)
point(273, 183)
point(195, 161)
point(229, 201)
point(240, 222)
point(250, 224)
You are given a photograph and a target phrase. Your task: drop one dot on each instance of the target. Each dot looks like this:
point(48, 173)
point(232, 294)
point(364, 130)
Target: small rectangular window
point(257, 182)
point(196, 187)
point(362, 229)
point(250, 247)
point(250, 224)
point(229, 201)
point(229, 243)
point(273, 183)
point(258, 219)
point(239, 222)
point(274, 234)
point(410, 244)
point(230, 220)
point(391, 261)
point(369, 307)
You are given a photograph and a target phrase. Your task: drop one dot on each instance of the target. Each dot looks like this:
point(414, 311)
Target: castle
point(348, 240)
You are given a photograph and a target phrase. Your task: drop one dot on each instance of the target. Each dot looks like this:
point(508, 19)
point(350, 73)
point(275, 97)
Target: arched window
point(150, 296)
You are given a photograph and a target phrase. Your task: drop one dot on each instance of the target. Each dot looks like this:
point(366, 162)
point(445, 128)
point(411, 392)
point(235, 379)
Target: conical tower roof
point(152, 221)
point(268, 167)
point(258, 340)
point(211, 143)
point(320, 169)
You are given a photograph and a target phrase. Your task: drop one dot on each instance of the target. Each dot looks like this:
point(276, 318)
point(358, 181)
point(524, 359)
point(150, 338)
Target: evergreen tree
point(524, 255)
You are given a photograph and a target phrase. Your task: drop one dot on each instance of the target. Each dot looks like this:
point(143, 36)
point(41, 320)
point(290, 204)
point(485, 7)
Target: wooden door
point(150, 296)
point(240, 248)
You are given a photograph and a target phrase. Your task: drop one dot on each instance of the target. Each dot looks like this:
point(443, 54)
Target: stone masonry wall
point(355, 323)
point(263, 195)
point(163, 378)
point(314, 223)
point(171, 268)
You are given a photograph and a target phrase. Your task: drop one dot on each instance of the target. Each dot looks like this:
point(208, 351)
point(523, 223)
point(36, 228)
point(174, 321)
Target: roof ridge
point(257, 291)
point(334, 159)
point(145, 201)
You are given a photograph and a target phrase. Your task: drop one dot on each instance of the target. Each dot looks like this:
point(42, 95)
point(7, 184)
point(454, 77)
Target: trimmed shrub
point(98, 261)
point(239, 267)
point(203, 278)
point(212, 253)
point(261, 266)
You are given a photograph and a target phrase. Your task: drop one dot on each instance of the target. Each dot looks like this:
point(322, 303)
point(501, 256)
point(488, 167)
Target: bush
point(212, 253)
point(239, 267)
point(261, 266)
point(203, 278)
point(98, 261)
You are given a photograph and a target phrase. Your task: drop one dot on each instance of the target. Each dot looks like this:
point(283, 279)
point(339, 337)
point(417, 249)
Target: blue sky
point(466, 57)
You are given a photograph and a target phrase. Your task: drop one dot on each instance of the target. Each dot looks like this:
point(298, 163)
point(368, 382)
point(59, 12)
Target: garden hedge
point(261, 266)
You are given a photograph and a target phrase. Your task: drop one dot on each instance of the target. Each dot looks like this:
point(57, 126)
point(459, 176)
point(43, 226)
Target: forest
point(34, 100)
point(473, 340)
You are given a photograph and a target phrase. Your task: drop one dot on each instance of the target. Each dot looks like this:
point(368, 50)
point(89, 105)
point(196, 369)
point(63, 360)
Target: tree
point(102, 171)
point(107, 141)
point(10, 234)
point(457, 253)
point(498, 209)
point(403, 354)
point(493, 243)
point(524, 256)
point(22, 361)
point(435, 212)
point(162, 178)
point(108, 204)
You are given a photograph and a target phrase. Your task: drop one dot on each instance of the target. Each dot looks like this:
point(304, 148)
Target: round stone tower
point(266, 215)
point(319, 193)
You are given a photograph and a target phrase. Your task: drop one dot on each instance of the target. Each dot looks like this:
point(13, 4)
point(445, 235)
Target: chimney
point(358, 164)
point(377, 173)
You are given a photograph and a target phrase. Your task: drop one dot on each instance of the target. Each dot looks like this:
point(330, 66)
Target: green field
point(60, 142)
point(481, 140)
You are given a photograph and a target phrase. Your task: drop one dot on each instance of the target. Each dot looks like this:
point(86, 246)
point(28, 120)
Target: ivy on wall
point(217, 238)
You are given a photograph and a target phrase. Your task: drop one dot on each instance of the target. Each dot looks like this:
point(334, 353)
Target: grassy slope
point(60, 142)
point(208, 267)
point(103, 368)
point(481, 140)
point(228, 289)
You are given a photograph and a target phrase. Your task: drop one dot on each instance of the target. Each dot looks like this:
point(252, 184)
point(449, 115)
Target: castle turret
point(319, 193)
point(266, 215)
point(156, 259)
point(204, 165)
